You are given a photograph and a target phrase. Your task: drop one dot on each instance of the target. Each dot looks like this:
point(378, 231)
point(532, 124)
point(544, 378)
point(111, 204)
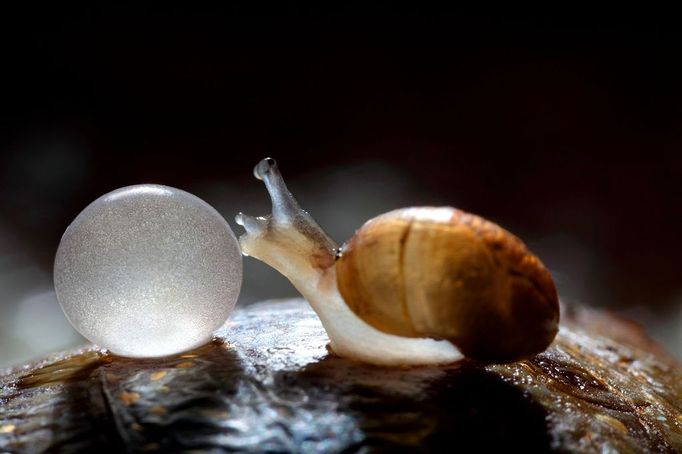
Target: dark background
point(564, 127)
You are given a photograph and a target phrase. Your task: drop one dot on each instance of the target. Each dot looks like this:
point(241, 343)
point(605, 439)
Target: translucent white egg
point(147, 271)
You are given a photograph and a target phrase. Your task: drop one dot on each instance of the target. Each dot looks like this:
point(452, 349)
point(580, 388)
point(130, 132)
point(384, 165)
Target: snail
point(414, 286)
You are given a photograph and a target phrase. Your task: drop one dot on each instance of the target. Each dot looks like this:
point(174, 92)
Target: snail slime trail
point(416, 286)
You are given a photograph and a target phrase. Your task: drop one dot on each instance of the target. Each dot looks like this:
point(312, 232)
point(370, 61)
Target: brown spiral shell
point(447, 274)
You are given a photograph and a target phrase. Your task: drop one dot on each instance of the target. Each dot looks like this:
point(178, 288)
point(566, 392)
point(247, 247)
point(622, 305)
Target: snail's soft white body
point(290, 241)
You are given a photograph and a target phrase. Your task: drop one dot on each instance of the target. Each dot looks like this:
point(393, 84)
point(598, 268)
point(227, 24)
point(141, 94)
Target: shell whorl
point(448, 274)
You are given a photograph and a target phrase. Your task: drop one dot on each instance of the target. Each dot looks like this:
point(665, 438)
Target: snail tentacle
point(284, 205)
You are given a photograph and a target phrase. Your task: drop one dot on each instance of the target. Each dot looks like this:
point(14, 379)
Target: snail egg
point(148, 270)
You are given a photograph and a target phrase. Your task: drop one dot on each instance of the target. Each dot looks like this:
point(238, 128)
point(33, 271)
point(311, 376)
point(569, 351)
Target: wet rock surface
point(268, 384)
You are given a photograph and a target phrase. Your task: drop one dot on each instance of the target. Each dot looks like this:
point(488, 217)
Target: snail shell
point(447, 274)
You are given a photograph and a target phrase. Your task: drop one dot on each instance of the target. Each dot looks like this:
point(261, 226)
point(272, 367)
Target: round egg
point(148, 270)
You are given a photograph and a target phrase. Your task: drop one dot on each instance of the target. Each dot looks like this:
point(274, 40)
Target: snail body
point(416, 286)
